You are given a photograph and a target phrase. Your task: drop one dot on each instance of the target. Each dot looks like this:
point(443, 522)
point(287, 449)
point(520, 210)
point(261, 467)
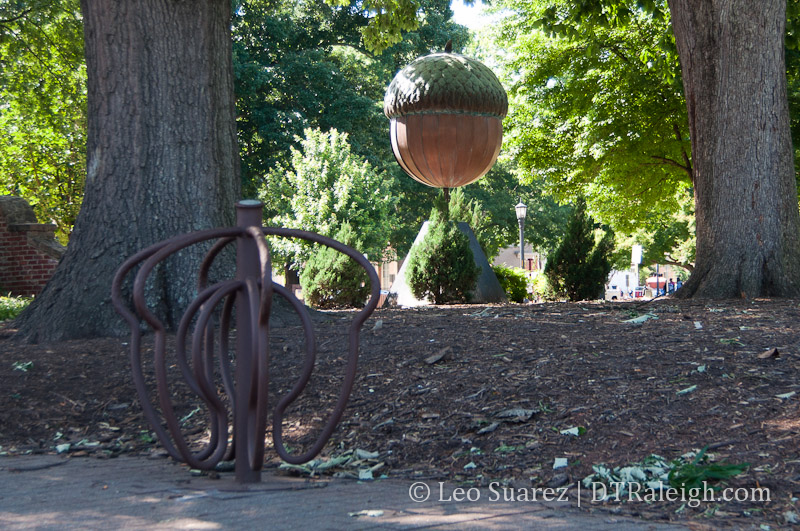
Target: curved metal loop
point(352, 361)
point(255, 294)
point(299, 386)
point(200, 379)
point(133, 321)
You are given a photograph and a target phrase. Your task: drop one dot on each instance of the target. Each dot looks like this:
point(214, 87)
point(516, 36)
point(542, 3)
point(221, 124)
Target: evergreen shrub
point(442, 267)
point(579, 267)
point(332, 279)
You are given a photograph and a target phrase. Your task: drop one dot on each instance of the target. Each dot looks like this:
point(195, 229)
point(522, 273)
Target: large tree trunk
point(161, 156)
point(732, 61)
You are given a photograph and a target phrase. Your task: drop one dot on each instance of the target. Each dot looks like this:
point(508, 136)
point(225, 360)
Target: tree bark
point(162, 157)
point(748, 231)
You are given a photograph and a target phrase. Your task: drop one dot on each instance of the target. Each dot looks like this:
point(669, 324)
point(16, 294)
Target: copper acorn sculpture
point(446, 114)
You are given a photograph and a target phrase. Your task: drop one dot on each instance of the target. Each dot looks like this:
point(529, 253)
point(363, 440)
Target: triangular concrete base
point(488, 289)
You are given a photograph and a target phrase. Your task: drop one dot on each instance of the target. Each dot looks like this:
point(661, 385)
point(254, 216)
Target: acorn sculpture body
point(446, 112)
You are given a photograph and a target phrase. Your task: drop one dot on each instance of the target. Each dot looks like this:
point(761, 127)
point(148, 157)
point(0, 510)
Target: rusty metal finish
point(246, 384)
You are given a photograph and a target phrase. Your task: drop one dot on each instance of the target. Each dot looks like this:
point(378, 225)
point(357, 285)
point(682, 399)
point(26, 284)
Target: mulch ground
point(482, 395)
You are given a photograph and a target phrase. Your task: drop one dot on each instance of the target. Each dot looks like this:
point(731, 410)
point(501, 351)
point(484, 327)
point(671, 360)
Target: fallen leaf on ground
point(439, 356)
point(367, 512)
point(489, 429)
point(771, 353)
point(641, 319)
point(516, 414)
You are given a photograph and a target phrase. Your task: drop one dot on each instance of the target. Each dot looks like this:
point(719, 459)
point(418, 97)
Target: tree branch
point(35, 55)
point(23, 14)
point(616, 51)
point(669, 260)
point(649, 188)
point(671, 162)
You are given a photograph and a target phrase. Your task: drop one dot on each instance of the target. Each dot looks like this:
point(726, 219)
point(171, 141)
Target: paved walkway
point(51, 492)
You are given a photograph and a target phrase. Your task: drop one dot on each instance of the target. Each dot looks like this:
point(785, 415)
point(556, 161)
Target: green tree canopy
point(302, 65)
point(287, 59)
point(43, 108)
point(597, 108)
point(327, 186)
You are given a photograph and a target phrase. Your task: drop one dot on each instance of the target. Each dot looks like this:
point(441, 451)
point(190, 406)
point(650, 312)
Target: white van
point(614, 293)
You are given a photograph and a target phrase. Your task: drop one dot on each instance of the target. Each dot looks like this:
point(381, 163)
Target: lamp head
point(522, 210)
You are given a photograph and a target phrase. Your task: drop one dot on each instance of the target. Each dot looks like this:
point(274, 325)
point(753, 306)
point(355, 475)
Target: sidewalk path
point(51, 492)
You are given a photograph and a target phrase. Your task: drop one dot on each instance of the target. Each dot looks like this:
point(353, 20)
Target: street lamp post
point(522, 211)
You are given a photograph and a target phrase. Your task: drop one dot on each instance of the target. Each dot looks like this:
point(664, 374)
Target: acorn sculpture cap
point(445, 82)
point(446, 114)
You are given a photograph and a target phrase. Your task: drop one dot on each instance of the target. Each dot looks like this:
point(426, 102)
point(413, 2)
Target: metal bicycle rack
point(247, 383)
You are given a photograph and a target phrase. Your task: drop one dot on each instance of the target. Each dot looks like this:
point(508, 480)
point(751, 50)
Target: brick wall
point(29, 251)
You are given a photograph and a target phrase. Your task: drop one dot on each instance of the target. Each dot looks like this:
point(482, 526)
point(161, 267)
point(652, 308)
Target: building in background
point(509, 257)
